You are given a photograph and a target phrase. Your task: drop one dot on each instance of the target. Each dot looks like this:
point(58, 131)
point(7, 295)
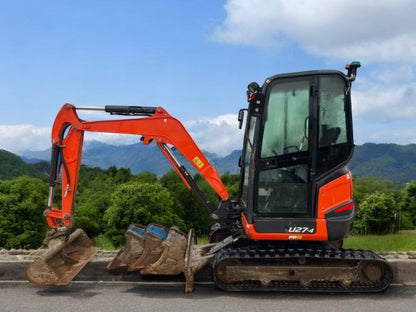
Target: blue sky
point(195, 58)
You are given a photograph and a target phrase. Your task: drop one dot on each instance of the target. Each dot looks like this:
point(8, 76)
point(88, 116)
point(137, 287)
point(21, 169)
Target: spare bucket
point(152, 249)
point(133, 249)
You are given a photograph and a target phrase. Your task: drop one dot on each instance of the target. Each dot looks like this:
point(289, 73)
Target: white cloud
point(218, 135)
point(378, 103)
point(374, 30)
point(112, 138)
point(18, 138)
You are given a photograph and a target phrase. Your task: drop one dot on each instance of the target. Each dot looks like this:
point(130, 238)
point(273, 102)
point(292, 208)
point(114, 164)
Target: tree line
point(108, 200)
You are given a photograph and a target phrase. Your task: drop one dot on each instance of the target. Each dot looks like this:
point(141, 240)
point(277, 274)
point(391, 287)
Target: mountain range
point(387, 161)
point(137, 157)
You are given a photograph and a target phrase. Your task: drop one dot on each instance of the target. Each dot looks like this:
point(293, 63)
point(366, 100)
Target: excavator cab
point(296, 191)
point(298, 140)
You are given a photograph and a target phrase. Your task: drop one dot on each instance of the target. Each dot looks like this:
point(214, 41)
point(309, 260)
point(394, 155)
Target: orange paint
point(333, 194)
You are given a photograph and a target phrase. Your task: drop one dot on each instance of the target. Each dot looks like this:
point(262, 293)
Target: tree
point(22, 224)
point(142, 203)
point(232, 182)
point(12, 166)
point(376, 214)
point(408, 203)
point(147, 177)
point(94, 197)
point(191, 211)
point(364, 186)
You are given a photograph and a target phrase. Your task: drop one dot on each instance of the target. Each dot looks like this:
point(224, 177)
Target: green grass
point(202, 240)
point(103, 242)
point(403, 241)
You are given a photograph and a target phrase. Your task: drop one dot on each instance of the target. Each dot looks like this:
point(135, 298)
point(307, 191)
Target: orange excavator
point(294, 209)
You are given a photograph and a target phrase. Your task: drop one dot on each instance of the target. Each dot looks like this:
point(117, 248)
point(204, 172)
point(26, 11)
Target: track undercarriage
point(237, 264)
point(253, 268)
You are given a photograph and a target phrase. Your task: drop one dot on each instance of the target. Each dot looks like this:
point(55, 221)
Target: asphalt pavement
point(14, 264)
point(129, 296)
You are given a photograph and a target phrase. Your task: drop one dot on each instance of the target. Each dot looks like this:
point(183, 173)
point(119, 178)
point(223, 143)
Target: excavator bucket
point(63, 260)
point(152, 249)
point(157, 251)
point(133, 249)
point(172, 259)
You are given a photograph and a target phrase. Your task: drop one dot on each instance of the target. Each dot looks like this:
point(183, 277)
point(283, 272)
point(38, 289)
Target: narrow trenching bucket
point(62, 261)
point(172, 259)
point(152, 250)
point(157, 251)
point(152, 247)
point(132, 251)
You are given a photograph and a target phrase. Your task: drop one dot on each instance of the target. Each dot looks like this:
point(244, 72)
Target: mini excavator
point(294, 209)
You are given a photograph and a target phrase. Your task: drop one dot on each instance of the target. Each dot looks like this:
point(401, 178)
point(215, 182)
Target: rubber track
point(257, 255)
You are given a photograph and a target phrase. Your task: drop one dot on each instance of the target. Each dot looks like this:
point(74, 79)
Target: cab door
point(285, 163)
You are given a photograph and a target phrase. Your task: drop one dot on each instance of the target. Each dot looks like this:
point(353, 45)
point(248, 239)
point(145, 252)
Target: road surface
point(170, 297)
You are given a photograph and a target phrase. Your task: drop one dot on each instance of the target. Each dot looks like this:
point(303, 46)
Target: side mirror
point(241, 117)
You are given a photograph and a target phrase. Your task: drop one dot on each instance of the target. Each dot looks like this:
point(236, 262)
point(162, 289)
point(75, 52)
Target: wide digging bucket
point(62, 261)
point(133, 249)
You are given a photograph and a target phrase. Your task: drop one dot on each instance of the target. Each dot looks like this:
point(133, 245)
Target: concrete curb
point(404, 271)
point(13, 267)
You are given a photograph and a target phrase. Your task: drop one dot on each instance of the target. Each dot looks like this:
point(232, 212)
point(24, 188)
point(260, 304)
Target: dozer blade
point(132, 251)
point(62, 261)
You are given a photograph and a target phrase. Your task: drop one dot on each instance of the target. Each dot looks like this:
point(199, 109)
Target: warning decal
point(198, 162)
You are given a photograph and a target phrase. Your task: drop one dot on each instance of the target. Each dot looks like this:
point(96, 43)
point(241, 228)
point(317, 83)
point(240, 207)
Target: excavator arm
point(154, 124)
